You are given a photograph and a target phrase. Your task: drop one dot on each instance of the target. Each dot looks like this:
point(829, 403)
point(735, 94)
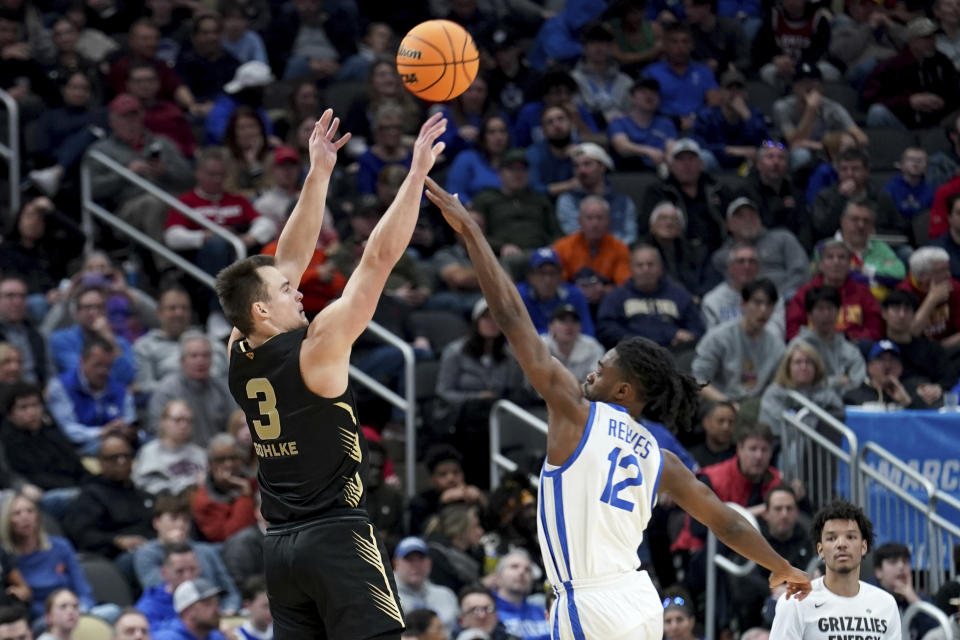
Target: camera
point(154, 150)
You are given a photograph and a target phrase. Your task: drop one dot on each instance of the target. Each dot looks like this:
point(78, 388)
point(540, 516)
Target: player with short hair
point(327, 574)
point(840, 605)
point(604, 469)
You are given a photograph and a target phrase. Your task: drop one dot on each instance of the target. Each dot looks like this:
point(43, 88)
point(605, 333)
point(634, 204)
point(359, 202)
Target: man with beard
point(551, 166)
point(839, 601)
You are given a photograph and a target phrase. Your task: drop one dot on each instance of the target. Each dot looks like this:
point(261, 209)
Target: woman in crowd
point(29, 250)
point(454, 539)
point(61, 613)
point(45, 563)
point(475, 371)
point(304, 103)
point(383, 87)
point(388, 148)
point(474, 170)
point(11, 366)
point(801, 370)
point(171, 462)
point(246, 140)
point(465, 116)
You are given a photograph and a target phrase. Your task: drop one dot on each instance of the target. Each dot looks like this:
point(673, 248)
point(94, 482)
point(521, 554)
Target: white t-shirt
point(872, 614)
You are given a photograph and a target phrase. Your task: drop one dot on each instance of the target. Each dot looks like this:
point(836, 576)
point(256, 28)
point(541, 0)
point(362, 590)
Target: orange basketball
point(437, 60)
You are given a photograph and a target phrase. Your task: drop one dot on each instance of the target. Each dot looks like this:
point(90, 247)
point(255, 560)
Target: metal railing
point(735, 569)
point(406, 403)
point(946, 534)
point(925, 608)
point(823, 456)
point(897, 511)
point(11, 150)
point(91, 209)
point(497, 459)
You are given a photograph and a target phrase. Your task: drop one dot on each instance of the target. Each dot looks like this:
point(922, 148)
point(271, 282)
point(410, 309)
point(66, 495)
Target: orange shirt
point(611, 259)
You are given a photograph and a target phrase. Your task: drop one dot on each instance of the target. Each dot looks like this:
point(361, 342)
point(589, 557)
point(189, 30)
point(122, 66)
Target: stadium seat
point(886, 146)
point(933, 140)
point(633, 184)
point(107, 582)
point(341, 95)
point(762, 96)
point(848, 98)
point(441, 327)
point(92, 628)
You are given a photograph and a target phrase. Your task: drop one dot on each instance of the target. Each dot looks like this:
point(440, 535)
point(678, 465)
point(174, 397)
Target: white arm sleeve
point(787, 621)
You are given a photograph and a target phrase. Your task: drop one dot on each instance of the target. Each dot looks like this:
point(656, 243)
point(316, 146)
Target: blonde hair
point(6, 348)
point(782, 377)
point(6, 535)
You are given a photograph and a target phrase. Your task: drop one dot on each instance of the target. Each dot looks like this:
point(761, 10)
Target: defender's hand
point(449, 205)
point(798, 582)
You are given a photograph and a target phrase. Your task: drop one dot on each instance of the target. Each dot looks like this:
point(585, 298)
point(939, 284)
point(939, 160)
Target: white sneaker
point(217, 326)
point(47, 180)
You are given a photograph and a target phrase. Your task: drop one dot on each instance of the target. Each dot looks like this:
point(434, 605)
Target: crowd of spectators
point(692, 172)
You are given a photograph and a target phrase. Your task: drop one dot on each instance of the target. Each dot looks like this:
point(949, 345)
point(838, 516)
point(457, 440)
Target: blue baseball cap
point(883, 346)
point(410, 544)
point(542, 256)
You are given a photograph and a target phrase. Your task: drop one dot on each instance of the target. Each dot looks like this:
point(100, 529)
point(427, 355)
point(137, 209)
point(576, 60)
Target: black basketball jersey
point(312, 452)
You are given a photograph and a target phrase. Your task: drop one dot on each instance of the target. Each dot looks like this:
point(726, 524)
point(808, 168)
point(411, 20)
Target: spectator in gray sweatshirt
point(843, 361)
point(738, 358)
point(723, 302)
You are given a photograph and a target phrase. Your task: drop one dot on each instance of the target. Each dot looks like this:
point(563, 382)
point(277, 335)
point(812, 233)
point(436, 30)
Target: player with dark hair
point(604, 469)
point(839, 602)
point(327, 575)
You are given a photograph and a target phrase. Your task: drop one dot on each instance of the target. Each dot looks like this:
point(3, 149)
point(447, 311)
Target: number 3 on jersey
point(268, 426)
point(611, 492)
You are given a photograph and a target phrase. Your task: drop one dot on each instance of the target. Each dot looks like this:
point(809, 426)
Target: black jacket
point(45, 458)
point(106, 509)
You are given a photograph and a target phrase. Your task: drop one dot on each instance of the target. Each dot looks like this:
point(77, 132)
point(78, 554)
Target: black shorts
point(330, 580)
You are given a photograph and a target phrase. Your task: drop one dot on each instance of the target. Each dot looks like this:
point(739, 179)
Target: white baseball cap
point(249, 74)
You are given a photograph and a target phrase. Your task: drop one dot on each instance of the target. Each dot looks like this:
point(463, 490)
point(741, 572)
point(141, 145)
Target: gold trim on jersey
point(351, 444)
point(244, 347)
point(384, 600)
point(353, 490)
point(346, 407)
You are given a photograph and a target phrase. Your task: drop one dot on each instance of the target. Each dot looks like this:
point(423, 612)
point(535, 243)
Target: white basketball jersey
point(593, 509)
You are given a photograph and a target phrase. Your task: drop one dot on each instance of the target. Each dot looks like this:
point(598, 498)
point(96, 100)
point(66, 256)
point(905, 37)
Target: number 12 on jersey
point(611, 492)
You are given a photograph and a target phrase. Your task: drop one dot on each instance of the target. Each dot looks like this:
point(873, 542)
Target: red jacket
point(938, 211)
point(218, 520)
point(859, 316)
point(232, 211)
point(730, 485)
point(945, 319)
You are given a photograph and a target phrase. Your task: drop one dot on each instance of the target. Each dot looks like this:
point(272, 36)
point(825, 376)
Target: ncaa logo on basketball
point(403, 52)
point(409, 78)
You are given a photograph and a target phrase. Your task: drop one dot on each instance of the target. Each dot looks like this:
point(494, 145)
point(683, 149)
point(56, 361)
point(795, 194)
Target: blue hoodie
point(177, 631)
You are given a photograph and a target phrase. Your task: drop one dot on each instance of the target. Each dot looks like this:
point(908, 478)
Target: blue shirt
point(47, 570)
point(528, 621)
point(909, 199)
point(249, 47)
point(542, 310)
point(656, 135)
point(681, 95)
point(546, 168)
point(823, 177)
point(946, 242)
point(469, 174)
point(370, 166)
point(148, 559)
point(715, 133)
point(156, 604)
point(66, 345)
